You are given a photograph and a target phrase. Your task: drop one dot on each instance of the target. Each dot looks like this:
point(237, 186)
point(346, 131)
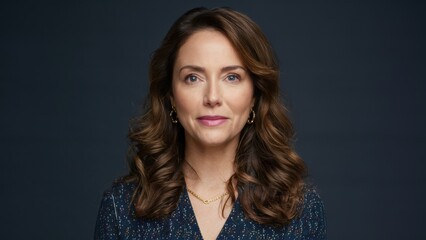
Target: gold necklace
point(207, 201)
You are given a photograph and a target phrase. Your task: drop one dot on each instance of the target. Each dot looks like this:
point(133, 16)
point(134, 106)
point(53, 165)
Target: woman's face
point(212, 90)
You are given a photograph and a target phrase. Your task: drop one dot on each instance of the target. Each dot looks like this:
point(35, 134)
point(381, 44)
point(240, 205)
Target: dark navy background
point(73, 74)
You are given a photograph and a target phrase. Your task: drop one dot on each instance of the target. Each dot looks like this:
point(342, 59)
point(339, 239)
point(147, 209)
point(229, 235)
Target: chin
point(216, 142)
point(210, 142)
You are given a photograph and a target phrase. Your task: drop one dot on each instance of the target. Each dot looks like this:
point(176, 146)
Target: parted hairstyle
point(269, 175)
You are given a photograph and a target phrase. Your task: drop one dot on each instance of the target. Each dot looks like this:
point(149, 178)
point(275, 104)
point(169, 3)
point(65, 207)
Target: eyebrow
point(201, 69)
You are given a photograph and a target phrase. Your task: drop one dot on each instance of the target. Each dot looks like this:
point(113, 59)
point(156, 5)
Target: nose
point(212, 96)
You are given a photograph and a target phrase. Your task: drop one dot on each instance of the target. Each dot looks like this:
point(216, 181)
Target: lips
point(212, 121)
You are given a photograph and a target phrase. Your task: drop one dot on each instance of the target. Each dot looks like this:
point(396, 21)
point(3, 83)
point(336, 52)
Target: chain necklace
point(206, 201)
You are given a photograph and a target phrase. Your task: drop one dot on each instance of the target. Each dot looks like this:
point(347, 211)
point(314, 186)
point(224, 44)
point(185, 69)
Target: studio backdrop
point(72, 75)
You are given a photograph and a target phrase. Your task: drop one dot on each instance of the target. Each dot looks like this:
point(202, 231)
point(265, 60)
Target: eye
point(191, 78)
point(233, 77)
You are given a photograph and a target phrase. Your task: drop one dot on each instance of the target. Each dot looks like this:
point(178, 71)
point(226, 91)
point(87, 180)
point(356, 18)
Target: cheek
point(242, 101)
point(179, 99)
point(184, 105)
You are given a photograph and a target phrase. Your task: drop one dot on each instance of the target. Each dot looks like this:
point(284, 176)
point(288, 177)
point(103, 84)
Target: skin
point(213, 95)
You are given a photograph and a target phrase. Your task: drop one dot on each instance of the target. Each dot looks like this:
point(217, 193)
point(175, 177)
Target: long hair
point(269, 175)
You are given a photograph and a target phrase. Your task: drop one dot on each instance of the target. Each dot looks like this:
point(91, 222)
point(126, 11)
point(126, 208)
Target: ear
point(252, 102)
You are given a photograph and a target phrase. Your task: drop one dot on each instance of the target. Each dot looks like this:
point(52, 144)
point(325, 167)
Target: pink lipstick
point(212, 121)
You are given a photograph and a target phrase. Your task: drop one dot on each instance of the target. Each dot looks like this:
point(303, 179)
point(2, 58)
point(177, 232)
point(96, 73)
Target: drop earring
point(173, 115)
point(251, 117)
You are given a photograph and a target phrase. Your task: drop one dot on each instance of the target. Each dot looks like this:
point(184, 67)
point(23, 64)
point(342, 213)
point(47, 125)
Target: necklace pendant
point(206, 201)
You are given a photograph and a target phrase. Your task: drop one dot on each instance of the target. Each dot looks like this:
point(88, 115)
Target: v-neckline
point(194, 218)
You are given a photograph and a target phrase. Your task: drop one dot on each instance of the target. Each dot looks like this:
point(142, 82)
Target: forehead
point(207, 47)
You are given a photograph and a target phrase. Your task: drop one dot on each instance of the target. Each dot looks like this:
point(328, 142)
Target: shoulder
point(115, 211)
point(119, 195)
point(121, 188)
point(312, 202)
point(310, 223)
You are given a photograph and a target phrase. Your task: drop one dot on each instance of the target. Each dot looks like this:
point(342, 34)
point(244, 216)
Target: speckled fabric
point(117, 221)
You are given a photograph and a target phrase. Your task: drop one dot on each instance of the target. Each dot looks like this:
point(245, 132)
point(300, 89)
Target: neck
point(209, 167)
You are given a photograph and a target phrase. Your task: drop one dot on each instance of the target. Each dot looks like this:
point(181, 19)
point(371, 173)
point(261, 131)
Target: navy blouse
point(116, 220)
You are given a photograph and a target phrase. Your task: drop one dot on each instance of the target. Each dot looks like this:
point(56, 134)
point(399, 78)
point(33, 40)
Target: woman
point(212, 156)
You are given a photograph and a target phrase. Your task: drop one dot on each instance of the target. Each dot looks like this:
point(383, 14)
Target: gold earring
point(173, 115)
point(251, 117)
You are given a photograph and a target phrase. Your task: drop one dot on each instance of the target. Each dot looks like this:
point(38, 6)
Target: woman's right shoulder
point(115, 209)
point(121, 190)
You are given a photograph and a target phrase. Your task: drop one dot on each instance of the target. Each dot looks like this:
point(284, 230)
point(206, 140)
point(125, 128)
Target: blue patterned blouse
point(117, 221)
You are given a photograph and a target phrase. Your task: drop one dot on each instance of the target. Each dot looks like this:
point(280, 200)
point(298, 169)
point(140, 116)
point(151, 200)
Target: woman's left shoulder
point(312, 200)
point(310, 223)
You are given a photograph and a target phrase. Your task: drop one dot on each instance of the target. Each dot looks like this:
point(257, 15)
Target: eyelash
point(187, 78)
point(236, 76)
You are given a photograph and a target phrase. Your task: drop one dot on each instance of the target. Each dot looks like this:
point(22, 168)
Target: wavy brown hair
point(269, 175)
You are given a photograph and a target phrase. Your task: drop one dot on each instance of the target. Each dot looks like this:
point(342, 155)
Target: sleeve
point(312, 221)
point(106, 224)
